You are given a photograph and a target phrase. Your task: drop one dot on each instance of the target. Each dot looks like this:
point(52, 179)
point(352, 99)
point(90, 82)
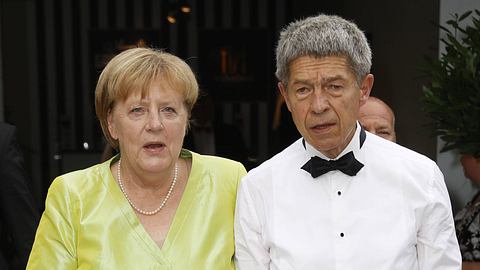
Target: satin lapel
point(132, 219)
point(185, 205)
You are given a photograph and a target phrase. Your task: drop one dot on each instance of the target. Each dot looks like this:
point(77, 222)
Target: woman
point(467, 221)
point(154, 205)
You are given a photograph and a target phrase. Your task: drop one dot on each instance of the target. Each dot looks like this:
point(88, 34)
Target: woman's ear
point(111, 125)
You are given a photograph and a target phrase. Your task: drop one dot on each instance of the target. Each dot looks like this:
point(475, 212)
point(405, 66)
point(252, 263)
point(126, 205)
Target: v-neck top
point(89, 224)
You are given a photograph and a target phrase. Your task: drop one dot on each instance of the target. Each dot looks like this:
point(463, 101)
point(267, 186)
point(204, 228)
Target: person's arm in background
point(277, 112)
point(471, 266)
point(18, 212)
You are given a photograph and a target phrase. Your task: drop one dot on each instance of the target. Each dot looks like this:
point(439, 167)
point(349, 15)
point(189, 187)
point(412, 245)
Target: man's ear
point(283, 90)
point(365, 88)
point(111, 125)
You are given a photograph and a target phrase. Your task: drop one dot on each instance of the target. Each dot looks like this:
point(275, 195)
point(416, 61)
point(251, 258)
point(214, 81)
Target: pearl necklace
point(143, 212)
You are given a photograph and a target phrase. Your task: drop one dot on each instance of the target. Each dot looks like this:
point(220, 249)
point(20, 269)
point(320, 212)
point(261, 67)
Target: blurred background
point(51, 52)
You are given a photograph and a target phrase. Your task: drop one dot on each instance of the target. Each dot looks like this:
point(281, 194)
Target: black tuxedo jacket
point(18, 215)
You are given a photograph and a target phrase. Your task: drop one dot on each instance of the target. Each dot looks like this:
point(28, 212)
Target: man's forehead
point(372, 110)
point(374, 118)
point(374, 107)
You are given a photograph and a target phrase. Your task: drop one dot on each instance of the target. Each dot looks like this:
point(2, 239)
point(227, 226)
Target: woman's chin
point(156, 163)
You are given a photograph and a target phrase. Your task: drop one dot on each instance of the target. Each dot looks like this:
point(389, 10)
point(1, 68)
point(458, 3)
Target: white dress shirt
point(394, 214)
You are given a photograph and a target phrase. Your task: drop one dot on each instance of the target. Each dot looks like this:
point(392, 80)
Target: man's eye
point(334, 87)
point(302, 90)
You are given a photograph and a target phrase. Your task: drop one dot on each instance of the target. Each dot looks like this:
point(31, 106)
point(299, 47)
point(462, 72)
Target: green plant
point(452, 98)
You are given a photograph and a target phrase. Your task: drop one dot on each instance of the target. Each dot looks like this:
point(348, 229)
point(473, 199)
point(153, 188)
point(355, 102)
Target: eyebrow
point(333, 78)
point(323, 81)
point(384, 128)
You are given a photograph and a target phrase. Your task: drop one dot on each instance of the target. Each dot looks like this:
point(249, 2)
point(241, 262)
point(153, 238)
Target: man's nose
point(320, 101)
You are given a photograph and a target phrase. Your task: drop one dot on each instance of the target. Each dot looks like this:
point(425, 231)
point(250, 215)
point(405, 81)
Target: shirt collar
point(354, 146)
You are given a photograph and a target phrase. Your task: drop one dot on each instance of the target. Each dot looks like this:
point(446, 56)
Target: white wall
point(460, 188)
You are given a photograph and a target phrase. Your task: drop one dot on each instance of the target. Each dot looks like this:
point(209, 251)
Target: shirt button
point(339, 193)
point(342, 235)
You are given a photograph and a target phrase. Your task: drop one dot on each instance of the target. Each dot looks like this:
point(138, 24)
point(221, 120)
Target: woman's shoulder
point(209, 161)
point(216, 160)
point(215, 165)
point(82, 181)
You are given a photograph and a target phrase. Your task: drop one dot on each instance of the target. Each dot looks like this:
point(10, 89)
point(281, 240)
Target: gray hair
point(321, 36)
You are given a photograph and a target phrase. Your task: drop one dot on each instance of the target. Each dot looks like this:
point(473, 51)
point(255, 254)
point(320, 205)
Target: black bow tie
point(347, 164)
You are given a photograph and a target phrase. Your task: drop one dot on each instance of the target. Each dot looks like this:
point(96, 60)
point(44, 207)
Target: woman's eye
point(168, 110)
point(137, 110)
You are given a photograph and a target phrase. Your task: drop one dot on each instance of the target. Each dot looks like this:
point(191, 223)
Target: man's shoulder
point(389, 152)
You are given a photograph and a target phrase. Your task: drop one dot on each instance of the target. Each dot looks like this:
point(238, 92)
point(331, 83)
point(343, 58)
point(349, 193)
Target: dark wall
point(401, 34)
point(49, 72)
point(21, 101)
point(53, 51)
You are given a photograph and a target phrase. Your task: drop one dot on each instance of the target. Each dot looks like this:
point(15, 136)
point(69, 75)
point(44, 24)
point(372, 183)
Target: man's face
point(324, 97)
point(377, 119)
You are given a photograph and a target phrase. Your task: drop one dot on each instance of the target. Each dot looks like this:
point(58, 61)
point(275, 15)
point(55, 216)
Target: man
point(377, 117)
point(18, 216)
point(373, 205)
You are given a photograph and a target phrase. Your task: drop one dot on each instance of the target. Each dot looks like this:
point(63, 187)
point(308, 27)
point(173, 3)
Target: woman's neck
point(154, 181)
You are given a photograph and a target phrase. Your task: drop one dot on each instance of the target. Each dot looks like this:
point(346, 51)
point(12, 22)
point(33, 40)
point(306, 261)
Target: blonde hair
point(134, 70)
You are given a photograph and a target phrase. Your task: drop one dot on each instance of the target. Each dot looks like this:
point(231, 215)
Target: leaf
point(444, 29)
point(464, 15)
point(452, 96)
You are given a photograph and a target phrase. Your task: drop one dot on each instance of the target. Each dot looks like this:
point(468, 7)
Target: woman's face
point(150, 130)
point(471, 168)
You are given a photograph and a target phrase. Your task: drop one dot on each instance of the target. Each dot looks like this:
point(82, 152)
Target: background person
point(467, 221)
point(18, 216)
point(154, 205)
point(339, 198)
point(284, 131)
point(377, 117)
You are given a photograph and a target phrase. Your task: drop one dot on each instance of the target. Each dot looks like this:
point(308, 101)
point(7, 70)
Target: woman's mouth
point(154, 146)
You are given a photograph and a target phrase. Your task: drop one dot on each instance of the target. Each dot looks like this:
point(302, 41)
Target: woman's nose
point(154, 121)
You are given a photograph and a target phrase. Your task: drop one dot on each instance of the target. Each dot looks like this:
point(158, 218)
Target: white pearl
point(143, 212)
